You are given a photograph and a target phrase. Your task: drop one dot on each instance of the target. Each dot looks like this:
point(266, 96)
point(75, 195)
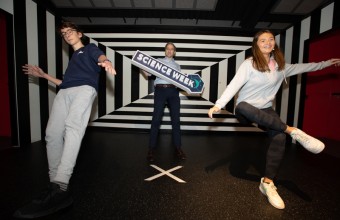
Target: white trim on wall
point(326, 22)
point(7, 5)
point(206, 79)
point(51, 60)
point(110, 83)
point(222, 77)
point(126, 81)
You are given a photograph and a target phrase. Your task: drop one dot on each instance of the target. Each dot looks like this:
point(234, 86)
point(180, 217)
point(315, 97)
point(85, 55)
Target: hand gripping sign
point(192, 83)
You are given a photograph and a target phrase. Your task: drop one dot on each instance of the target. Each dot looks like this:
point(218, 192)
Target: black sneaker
point(180, 154)
point(150, 156)
point(50, 201)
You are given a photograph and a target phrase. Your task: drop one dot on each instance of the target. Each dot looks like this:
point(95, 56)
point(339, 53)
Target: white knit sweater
point(258, 88)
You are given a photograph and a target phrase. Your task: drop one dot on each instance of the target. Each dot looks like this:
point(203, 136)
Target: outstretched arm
point(106, 63)
point(36, 71)
point(293, 69)
point(335, 62)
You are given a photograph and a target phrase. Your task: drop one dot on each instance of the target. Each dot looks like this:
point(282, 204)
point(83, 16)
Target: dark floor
point(222, 174)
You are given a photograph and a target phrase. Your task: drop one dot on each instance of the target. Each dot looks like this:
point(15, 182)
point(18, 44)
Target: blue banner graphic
point(191, 83)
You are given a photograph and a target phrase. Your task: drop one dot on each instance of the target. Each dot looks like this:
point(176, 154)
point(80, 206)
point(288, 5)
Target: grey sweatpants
point(65, 130)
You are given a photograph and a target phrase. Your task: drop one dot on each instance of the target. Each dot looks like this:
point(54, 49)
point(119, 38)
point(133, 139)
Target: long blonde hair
point(259, 61)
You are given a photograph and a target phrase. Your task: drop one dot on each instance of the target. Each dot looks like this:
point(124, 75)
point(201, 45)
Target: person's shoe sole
point(66, 204)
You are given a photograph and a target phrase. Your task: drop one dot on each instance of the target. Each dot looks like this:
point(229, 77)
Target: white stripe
point(126, 81)
point(167, 36)
point(179, 45)
point(178, 54)
point(143, 109)
point(183, 127)
point(195, 63)
point(168, 118)
point(185, 102)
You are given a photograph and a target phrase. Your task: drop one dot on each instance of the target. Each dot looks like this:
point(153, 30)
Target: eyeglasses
point(68, 32)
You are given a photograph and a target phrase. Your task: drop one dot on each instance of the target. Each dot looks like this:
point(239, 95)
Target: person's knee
point(241, 107)
point(280, 137)
point(242, 104)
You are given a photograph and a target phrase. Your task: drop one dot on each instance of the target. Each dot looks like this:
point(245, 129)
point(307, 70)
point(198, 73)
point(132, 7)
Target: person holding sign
point(166, 93)
point(257, 80)
point(192, 84)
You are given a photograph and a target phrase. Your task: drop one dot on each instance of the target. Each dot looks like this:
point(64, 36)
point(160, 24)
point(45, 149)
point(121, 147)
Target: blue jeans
point(275, 128)
point(171, 97)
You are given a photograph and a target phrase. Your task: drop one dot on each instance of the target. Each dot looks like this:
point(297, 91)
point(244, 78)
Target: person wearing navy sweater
point(257, 81)
point(68, 119)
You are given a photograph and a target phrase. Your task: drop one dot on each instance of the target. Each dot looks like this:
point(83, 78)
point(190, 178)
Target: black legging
point(268, 118)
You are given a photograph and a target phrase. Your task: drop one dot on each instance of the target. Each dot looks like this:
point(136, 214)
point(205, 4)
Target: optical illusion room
point(220, 173)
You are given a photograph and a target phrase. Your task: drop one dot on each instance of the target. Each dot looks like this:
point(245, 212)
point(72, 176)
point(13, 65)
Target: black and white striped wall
point(125, 101)
point(131, 105)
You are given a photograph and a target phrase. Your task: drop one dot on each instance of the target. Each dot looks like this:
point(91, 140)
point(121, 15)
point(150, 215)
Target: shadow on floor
point(222, 174)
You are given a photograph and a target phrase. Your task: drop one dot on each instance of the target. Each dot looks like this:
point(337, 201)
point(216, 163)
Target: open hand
point(212, 111)
point(335, 62)
point(108, 67)
point(33, 70)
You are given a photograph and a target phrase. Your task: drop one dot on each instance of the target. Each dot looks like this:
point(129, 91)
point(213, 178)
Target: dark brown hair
point(259, 61)
point(68, 24)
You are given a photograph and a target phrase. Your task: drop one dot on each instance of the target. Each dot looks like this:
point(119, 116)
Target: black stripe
point(213, 82)
point(200, 123)
point(11, 78)
point(315, 24)
point(303, 85)
point(135, 73)
point(336, 15)
point(151, 81)
point(278, 99)
point(118, 81)
point(164, 29)
point(230, 75)
point(102, 87)
point(248, 53)
point(42, 56)
point(293, 79)
point(59, 54)
point(195, 132)
point(189, 67)
point(21, 79)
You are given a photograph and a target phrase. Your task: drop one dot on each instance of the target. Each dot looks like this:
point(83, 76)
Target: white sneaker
point(311, 144)
point(269, 190)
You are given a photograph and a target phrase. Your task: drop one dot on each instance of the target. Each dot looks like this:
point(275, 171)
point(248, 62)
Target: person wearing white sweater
point(257, 81)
